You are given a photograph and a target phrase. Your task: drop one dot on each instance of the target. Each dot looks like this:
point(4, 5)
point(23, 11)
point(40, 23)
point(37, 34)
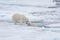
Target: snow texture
point(44, 14)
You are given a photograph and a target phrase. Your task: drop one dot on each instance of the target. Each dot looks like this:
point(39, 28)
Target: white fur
point(19, 18)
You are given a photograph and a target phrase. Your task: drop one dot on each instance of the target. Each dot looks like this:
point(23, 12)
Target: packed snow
point(46, 20)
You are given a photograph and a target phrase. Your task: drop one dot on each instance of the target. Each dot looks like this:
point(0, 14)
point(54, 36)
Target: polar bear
point(19, 18)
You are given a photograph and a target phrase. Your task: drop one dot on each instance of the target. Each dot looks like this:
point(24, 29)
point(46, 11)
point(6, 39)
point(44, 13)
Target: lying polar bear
point(19, 18)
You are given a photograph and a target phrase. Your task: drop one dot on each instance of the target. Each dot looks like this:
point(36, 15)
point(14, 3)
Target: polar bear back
point(19, 17)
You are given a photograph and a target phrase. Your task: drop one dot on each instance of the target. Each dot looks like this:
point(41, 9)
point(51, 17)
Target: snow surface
point(46, 20)
point(8, 31)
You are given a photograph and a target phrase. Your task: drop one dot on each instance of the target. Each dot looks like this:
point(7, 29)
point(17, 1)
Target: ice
point(42, 13)
point(8, 31)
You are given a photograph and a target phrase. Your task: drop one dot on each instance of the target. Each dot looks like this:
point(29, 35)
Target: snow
point(46, 20)
point(8, 31)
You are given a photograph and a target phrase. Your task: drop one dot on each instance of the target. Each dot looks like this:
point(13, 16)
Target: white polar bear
point(18, 18)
